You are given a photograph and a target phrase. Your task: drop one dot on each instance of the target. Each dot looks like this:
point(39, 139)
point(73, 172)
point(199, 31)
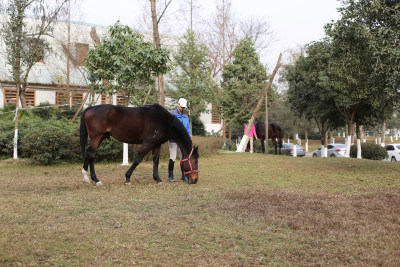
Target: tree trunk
point(266, 124)
point(306, 137)
point(383, 133)
point(358, 132)
point(22, 96)
point(245, 138)
point(348, 138)
point(157, 44)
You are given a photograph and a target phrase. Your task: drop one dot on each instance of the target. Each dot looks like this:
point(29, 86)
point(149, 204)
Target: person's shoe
point(171, 171)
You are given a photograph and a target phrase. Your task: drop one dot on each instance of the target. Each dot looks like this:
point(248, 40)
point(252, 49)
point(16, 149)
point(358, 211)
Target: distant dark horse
point(149, 125)
point(274, 132)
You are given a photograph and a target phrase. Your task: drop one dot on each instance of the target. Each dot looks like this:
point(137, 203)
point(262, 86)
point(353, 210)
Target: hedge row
point(369, 151)
point(52, 141)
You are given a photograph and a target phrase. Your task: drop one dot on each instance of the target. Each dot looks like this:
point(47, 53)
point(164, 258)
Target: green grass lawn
point(247, 209)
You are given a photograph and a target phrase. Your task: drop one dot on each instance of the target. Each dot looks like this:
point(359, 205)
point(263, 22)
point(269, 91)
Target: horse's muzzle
point(192, 179)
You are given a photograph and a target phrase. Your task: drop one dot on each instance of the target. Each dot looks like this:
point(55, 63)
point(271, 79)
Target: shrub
point(48, 142)
point(230, 145)
point(369, 151)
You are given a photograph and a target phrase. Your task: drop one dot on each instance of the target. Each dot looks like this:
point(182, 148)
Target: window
point(77, 99)
point(30, 98)
point(61, 98)
point(120, 100)
point(10, 96)
point(215, 115)
point(103, 99)
point(79, 52)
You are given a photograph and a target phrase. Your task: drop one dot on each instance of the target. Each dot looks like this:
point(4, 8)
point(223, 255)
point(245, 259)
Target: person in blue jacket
point(179, 112)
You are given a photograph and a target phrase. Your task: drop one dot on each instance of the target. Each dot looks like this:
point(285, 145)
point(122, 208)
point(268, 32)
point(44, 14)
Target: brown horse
point(149, 125)
point(274, 132)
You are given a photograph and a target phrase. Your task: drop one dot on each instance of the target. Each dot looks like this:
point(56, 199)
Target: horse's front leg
point(139, 157)
point(156, 160)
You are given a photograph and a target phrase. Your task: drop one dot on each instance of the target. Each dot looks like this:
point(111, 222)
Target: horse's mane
point(181, 133)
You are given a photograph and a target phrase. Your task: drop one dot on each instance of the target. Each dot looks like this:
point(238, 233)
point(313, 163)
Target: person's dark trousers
point(171, 170)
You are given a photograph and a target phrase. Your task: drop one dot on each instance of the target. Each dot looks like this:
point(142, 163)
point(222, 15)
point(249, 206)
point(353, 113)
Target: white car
point(334, 150)
point(393, 151)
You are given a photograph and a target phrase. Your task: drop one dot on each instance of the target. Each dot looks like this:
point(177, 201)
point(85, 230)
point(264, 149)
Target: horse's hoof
point(86, 180)
point(99, 183)
point(160, 183)
point(128, 184)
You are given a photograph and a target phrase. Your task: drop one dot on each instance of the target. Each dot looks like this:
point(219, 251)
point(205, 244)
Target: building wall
point(51, 73)
point(206, 119)
point(43, 96)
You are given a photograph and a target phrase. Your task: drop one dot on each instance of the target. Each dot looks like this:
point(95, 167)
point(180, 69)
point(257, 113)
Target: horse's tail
point(83, 134)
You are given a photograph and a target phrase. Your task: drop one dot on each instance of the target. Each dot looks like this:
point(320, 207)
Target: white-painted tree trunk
point(391, 139)
point(348, 145)
point(15, 156)
point(125, 157)
point(297, 139)
point(376, 141)
point(242, 144)
point(294, 150)
point(358, 148)
point(333, 140)
point(323, 150)
point(306, 146)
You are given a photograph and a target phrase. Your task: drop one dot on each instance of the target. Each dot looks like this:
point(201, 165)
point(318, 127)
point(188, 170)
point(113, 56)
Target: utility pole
point(15, 155)
point(223, 62)
point(68, 54)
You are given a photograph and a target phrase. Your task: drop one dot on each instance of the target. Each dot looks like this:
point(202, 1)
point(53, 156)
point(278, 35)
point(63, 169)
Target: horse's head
point(190, 166)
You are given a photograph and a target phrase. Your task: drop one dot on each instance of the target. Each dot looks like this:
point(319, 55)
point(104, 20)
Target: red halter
point(190, 164)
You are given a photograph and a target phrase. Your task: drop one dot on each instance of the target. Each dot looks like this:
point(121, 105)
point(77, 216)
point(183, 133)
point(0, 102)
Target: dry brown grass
point(247, 209)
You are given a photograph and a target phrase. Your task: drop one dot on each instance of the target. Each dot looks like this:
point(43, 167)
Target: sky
point(294, 22)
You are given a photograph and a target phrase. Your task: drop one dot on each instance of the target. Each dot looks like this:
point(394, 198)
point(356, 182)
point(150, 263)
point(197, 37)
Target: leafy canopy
point(191, 75)
point(127, 62)
point(243, 80)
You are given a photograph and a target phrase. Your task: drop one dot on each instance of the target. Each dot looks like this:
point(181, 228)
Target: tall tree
point(157, 44)
point(191, 74)
point(26, 44)
point(25, 38)
point(128, 62)
point(243, 81)
point(309, 88)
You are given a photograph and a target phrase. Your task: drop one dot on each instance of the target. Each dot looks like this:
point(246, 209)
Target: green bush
point(49, 142)
point(230, 145)
point(46, 139)
point(369, 151)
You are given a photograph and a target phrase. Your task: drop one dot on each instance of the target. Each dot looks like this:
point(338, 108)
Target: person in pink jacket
point(252, 134)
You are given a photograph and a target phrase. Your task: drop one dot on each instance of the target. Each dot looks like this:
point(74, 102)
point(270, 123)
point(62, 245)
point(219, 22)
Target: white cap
point(182, 102)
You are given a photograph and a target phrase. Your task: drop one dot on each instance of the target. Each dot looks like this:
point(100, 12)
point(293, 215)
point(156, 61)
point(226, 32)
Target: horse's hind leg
point(275, 144)
point(89, 160)
point(262, 145)
point(139, 157)
point(156, 160)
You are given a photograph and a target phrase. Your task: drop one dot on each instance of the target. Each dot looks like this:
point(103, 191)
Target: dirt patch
point(362, 228)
